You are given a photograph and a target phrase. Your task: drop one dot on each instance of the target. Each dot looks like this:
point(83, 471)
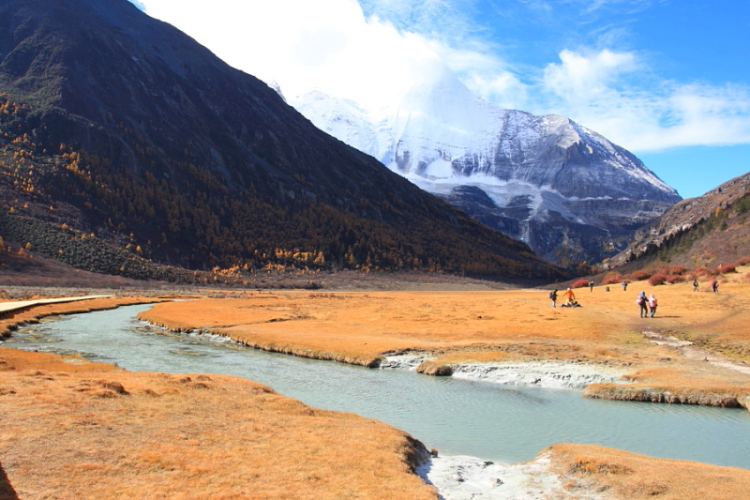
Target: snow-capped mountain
point(564, 189)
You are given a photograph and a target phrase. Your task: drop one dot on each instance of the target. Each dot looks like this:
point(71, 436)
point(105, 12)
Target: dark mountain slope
point(709, 230)
point(151, 138)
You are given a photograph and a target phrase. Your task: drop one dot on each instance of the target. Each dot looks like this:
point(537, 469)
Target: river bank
point(14, 313)
point(77, 429)
point(511, 337)
point(584, 472)
point(581, 472)
point(543, 374)
point(458, 478)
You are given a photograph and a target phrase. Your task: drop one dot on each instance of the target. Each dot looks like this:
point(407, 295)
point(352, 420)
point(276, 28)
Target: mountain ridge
point(442, 137)
point(705, 231)
point(156, 141)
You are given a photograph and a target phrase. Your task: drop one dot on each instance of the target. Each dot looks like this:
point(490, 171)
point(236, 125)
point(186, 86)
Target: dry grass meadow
point(623, 475)
point(73, 429)
point(499, 326)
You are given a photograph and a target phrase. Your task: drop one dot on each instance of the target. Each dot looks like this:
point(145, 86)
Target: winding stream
point(506, 424)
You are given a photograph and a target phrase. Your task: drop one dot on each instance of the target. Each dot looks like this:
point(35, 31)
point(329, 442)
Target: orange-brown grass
point(688, 383)
point(72, 429)
point(623, 475)
point(492, 326)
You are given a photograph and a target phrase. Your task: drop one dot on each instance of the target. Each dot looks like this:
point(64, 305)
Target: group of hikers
point(570, 298)
point(647, 305)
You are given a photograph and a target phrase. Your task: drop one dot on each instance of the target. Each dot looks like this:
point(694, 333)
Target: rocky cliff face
point(566, 190)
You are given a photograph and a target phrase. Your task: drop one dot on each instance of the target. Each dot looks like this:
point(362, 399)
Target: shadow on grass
point(6, 490)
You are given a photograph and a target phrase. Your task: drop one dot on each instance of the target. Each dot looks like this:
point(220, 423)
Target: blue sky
point(667, 79)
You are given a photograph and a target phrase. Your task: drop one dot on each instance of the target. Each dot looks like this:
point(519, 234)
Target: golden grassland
point(624, 475)
point(73, 429)
point(501, 326)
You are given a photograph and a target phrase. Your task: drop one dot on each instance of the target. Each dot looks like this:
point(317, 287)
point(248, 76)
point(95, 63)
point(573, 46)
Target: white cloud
point(302, 45)
point(600, 90)
point(583, 78)
point(329, 45)
point(503, 89)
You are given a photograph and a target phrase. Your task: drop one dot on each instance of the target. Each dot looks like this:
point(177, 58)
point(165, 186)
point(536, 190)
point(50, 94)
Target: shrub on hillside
point(675, 278)
point(639, 275)
point(743, 261)
point(611, 279)
point(706, 271)
point(579, 283)
point(727, 268)
point(657, 279)
point(680, 270)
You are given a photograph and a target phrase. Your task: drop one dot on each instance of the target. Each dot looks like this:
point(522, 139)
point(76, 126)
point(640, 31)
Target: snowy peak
point(543, 173)
point(343, 119)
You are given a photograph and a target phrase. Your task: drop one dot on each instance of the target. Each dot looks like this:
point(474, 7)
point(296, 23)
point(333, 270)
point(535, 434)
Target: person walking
point(714, 285)
point(553, 297)
point(651, 305)
point(695, 284)
point(624, 286)
point(591, 286)
point(642, 304)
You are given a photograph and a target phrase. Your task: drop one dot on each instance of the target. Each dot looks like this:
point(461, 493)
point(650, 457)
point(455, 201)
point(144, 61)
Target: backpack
point(552, 295)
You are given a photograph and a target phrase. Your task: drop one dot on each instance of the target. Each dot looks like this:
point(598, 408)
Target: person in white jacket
point(651, 305)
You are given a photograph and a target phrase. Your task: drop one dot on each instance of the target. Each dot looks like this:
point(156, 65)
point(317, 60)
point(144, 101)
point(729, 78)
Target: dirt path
point(690, 351)
point(6, 307)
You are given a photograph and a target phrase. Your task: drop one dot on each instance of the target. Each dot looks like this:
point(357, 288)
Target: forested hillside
point(123, 128)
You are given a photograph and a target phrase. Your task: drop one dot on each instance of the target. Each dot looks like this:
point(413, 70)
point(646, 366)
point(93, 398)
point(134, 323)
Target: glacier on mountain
point(568, 192)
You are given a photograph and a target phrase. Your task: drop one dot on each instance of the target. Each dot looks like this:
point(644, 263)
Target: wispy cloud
point(596, 90)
